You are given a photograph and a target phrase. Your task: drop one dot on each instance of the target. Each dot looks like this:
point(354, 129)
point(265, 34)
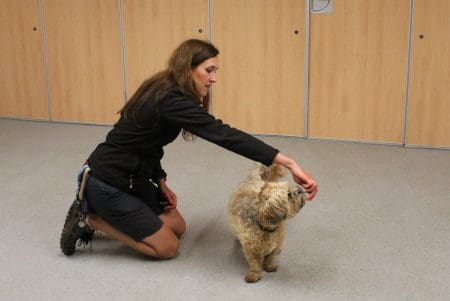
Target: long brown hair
point(186, 57)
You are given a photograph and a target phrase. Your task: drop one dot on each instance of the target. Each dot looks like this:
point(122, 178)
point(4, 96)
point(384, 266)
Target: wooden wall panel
point(260, 85)
point(153, 29)
point(358, 64)
point(84, 59)
point(22, 77)
point(429, 99)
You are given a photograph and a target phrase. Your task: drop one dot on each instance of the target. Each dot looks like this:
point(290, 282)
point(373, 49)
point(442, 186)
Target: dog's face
point(279, 201)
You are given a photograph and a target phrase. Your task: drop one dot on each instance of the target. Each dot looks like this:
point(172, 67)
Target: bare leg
point(175, 221)
point(163, 244)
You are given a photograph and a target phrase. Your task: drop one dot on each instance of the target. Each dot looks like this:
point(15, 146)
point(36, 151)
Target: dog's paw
point(252, 277)
point(270, 268)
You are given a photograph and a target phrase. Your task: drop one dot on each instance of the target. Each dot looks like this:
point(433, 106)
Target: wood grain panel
point(22, 77)
point(429, 99)
point(260, 86)
point(153, 29)
point(358, 63)
point(84, 59)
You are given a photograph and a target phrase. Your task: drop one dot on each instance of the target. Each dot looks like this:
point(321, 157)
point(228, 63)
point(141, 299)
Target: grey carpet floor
point(379, 229)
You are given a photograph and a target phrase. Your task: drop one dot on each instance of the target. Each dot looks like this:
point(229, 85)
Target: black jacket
point(133, 152)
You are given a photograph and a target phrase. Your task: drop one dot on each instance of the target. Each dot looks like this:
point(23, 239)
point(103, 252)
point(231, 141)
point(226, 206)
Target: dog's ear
point(272, 173)
point(271, 211)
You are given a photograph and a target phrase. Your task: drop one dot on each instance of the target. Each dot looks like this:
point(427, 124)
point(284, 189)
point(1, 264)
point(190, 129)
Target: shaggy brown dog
point(257, 213)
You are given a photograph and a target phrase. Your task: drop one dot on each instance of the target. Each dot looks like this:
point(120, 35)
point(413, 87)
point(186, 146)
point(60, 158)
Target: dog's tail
point(273, 173)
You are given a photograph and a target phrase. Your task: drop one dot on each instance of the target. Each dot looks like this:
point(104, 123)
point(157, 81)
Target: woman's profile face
point(204, 75)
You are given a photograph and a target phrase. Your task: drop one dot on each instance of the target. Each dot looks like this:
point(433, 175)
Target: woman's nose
point(213, 78)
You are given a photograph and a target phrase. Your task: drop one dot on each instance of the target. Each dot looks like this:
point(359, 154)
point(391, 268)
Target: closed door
point(22, 75)
point(429, 99)
point(358, 65)
point(260, 85)
point(153, 29)
point(84, 55)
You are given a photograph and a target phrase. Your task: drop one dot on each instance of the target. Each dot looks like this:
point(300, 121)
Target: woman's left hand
point(169, 194)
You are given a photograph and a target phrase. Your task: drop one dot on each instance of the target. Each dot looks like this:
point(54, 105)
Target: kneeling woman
point(127, 192)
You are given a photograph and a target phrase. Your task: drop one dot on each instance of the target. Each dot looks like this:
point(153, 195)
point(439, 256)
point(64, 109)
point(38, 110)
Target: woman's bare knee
point(175, 221)
point(180, 228)
point(164, 242)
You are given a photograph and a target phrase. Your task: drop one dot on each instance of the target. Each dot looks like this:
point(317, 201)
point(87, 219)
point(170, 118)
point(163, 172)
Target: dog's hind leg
point(254, 261)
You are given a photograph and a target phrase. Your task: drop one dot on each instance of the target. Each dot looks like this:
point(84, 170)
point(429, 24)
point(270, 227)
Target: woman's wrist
point(162, 181)
point(285, 161)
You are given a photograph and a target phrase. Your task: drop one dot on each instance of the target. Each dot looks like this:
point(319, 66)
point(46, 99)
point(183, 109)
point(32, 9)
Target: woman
point(127, 192)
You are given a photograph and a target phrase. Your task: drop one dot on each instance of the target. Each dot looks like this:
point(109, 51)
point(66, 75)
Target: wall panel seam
point(306, 70)
point(44, 52)
point(211, 105)
point(124, 64)
point(408, 72)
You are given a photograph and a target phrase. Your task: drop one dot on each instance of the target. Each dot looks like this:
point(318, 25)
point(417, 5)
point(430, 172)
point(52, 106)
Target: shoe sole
point(72, 232)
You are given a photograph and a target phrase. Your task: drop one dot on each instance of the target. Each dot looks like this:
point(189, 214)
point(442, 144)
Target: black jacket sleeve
point(187, 114)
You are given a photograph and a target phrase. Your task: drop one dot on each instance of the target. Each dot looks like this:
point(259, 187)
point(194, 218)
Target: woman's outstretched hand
point(305, 180)
point(300, 176)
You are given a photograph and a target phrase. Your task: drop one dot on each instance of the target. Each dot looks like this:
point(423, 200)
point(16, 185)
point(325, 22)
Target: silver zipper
point(131, 181)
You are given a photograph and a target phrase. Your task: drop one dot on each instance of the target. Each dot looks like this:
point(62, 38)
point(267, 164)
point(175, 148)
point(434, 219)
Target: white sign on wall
point(321, 6)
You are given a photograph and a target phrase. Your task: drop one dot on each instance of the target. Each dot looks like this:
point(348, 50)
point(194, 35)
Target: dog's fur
point(257, 213)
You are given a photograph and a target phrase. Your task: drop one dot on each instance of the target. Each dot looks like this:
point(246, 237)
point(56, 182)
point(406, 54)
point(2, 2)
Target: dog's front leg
point(269, 264)
point(254, 261)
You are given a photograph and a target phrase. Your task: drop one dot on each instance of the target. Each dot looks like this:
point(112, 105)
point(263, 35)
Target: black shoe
point(75, 230)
